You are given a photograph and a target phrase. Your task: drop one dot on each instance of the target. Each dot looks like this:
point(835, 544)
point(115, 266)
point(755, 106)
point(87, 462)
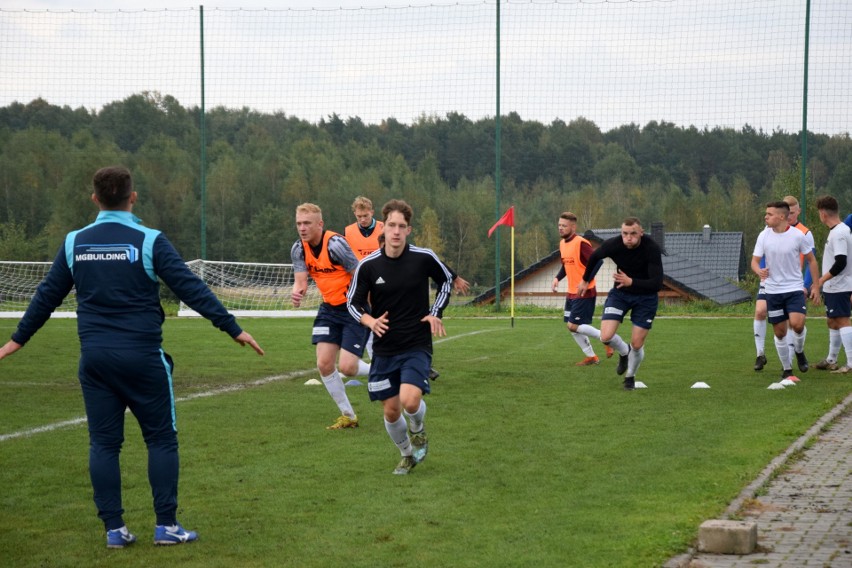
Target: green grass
point(532, 460)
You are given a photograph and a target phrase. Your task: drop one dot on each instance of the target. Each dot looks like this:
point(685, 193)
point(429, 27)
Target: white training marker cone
point(640, 385)
point(775, 387)
point(700, 385)
point(311, 382)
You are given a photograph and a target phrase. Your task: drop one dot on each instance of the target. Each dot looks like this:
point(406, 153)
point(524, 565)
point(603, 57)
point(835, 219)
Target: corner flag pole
point(512, 285)
point(508, 219)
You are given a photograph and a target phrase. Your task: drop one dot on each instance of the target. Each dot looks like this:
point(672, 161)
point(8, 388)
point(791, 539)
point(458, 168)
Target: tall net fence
point(690, 62)
point(687, 112)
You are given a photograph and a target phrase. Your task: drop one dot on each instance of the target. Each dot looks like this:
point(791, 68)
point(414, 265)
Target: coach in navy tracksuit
point(115, 263)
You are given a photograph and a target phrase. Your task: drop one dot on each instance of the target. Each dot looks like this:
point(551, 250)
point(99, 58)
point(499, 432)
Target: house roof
point(722, 253)
point(704, 268)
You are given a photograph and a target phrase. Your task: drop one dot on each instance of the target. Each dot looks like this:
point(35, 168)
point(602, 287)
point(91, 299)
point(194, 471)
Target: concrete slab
point(721, 536)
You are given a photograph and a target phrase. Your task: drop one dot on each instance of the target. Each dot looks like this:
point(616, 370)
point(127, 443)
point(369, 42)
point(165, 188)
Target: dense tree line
point(260, 166)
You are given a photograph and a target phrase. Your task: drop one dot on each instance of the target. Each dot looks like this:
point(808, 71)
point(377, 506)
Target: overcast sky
point(692, 62)
point(178, 4)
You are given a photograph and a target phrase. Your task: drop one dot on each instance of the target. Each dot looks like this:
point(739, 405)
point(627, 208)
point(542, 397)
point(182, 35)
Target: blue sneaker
point(175, 534)
point(120, 538)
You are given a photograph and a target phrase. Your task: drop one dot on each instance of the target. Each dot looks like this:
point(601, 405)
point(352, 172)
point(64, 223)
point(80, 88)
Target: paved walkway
point(804, 517)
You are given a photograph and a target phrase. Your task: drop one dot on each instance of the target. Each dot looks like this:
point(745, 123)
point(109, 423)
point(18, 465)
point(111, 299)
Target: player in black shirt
point(393, 284)
point(638, 280)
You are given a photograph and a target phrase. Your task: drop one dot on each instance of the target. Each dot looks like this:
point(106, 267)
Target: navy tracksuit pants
point(114, 380)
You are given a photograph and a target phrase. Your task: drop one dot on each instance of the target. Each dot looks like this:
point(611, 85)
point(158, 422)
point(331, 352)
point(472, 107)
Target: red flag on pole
point(507, 219)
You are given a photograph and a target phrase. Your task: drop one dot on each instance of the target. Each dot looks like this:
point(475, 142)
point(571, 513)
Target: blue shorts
point(780, 306)
point(579, 311)
point(642, 307)
point(335, 325)
point(837, 304)
point(387, 373)
point(761, 292)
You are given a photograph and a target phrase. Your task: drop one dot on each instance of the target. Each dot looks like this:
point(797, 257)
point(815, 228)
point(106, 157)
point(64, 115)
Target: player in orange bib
point(326, 257)
point(575, 251)
point(363, 235)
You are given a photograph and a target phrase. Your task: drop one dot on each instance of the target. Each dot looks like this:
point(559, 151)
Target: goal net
point(253, 289)
point(245, 288)
point(18, 283)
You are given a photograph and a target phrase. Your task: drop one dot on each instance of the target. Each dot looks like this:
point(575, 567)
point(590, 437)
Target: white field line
point(213, 392)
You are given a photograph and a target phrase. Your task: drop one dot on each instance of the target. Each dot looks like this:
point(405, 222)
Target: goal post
point(252, 289)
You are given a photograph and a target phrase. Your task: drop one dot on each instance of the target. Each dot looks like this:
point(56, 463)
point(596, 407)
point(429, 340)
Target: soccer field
point(532, 461)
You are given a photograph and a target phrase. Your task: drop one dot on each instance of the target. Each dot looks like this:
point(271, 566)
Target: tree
point(429, 231)
point(533, 245)
point(268, 237)
point(223, 227)
point(588, 208)
point(466, 220)
point(15, 245)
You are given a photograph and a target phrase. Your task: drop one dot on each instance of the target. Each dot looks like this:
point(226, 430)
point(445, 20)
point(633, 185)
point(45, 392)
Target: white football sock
point(370, 346)
point(634, 359)
point(398, 432)
point(589, 331)
point(334, 385)
point(834, 343)
point(784, 353)
point(363, 368)
point(759, 336)
point(799, 340)
point(846, 338)
point(584, 344)
point(415, 421)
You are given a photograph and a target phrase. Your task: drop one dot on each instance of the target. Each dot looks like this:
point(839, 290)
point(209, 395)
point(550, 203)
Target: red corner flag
point(507, 219)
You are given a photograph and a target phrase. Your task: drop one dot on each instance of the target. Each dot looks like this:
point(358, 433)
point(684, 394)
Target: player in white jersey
point(836, 283)
point(781, 245)
point(760, 305)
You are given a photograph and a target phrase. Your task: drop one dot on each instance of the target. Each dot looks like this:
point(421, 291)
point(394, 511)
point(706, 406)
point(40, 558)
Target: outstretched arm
point(460, 285)
point(11, 347)
point(246, 339)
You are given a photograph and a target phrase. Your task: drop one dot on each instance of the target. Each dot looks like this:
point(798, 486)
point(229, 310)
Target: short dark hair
point(568, 216)
point(828, 203)
point(630, 221)
point(400, 206)
point(113, 186)
point(779, 205)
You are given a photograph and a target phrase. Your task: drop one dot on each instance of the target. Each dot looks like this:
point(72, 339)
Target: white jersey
point(839, 243)
point(782, 252)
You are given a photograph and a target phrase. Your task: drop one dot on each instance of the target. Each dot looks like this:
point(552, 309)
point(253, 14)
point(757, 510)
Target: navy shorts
point(579, 311)
point(335, 325)
point(642, 307)
point(837, 304)
point(780, 306)
point(387, 373)
point(761, 292)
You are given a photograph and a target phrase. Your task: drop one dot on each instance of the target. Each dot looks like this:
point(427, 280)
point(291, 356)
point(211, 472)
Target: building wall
point(535, 289)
